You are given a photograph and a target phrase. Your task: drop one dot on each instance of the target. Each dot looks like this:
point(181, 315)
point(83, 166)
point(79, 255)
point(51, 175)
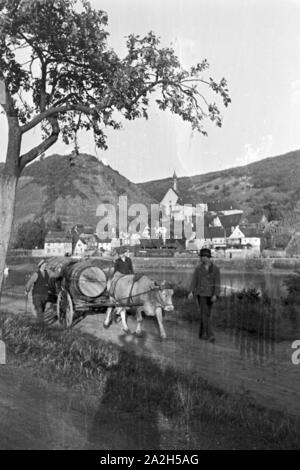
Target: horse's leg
point(122, 312)
point(158, 314)
point(108, 317)
point(139, 319)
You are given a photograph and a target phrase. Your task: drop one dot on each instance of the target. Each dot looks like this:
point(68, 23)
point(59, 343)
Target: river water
point(271, 282)
point(265, 281)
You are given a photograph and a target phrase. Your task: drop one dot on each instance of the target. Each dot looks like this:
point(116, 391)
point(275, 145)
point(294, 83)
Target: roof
point(88, 230)
point(254, 218)
point(221, 205)
point(171, 189)
point(251, 232)
point(57, 237)
point(231, 220)
point(88, 236)
point(151, 243)
point(214, 232)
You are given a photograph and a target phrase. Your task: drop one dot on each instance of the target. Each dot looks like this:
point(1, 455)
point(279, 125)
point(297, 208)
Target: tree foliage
point(60, 74)
point(30, 235)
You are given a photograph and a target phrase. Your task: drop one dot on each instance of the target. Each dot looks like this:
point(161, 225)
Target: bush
point(253, 264)
point(292, 284)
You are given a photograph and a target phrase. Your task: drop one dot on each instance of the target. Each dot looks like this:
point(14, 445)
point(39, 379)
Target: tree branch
point(64, 99)
point(43, 87)
point(32, 45)
point(42, 147)
point(53, 112)
point(145, 90)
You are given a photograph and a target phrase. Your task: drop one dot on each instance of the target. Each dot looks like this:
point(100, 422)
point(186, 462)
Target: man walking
point(205, 287)
point(39, 283)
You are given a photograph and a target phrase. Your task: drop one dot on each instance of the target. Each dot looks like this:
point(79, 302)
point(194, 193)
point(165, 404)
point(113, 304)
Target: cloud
point(253, 154)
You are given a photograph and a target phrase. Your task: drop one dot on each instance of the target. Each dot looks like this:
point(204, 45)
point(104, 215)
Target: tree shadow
point(128, 414)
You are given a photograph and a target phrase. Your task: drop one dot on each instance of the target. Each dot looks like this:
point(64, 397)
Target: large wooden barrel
point(85, 278)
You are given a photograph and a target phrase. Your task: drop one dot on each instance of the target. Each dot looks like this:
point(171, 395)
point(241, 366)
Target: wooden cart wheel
point(65, 309)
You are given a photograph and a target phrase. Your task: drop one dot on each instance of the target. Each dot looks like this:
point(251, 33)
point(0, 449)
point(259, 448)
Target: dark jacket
point(38, 283)
point(206, 283)
point(124, 267)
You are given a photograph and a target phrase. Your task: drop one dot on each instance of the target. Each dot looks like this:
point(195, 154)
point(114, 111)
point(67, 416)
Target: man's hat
point(205, 252)
point(41, 263)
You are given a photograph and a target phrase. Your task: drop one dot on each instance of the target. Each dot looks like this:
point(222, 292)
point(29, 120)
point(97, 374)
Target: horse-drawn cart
point(81, 287)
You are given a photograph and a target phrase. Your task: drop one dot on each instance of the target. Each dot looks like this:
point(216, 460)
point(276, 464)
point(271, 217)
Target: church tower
point(175, 183)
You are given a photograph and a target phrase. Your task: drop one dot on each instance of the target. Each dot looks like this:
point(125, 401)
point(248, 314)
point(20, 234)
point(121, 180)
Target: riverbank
point(181, 262)
point(238, 265)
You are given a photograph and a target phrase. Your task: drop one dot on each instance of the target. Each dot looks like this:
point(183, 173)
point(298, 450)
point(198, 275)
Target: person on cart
point(123, 264)
point(122, 267)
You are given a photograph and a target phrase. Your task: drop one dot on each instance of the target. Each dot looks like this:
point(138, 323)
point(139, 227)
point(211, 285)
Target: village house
point(57, 244)
point(212, 220)
point(245, 238)
point(87, 244)
point(258, 221)
point(228, 238)
point(223, 207)
point(214, 237)
point(174, 206)
point(230, 222)
point(222, 219)
point(80, 248)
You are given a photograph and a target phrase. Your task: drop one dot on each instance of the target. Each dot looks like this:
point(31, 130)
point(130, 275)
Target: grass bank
point(250, 311)
point(120, 380)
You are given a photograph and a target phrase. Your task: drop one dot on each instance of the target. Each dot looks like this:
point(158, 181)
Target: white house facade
point(80, 248)
point(56, 244)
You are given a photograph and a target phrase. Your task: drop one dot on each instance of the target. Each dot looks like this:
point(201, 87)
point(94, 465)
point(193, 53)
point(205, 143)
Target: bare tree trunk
point(8, 183)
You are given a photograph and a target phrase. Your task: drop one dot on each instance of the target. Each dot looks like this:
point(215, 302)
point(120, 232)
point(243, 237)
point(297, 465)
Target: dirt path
point(235, 362)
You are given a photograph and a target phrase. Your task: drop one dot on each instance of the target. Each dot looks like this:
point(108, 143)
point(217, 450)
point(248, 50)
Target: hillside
point(52, 187)
point(274, 180)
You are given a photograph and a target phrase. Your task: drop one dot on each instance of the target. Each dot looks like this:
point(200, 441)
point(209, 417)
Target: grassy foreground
point(130, 384)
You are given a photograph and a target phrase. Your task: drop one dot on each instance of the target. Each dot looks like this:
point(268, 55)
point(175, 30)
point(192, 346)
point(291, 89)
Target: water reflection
point(269, 282)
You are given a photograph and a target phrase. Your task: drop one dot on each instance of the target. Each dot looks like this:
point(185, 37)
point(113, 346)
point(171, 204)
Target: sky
point(254, 44)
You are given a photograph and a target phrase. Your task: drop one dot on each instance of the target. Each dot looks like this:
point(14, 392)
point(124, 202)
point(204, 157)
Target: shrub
point(292, 284)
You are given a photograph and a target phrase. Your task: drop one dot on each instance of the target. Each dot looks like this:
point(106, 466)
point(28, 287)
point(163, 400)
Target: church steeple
point(175, 181)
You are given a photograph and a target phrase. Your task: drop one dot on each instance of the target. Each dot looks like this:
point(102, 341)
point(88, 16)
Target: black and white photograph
point(149, 227)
